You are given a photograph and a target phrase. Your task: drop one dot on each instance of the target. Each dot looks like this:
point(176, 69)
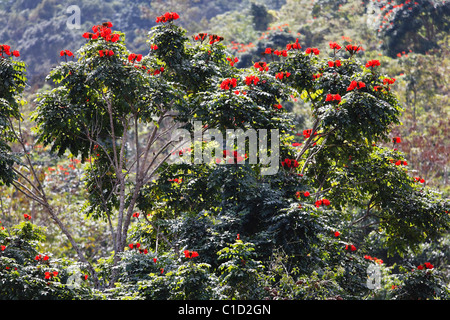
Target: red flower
point(268, 51)
point(16, 53)
point(85, 277)
point(251, 79)
point(2, 247)
point(334, 45)
point(356, 85)
point(154, 260)
point(352, 49)
point(326, 202)
point(337, 234)
point(278, 106)
point(167, 17)
point(372, 63)
point(428, 265)
point(227, 84)
point(131, 246)
point(306, 194)
point(294, 45)
point(420, 267)
point(190, 254)
point(312, 50)
point(281, 75)
point(290, 163)
point(27, 216)
point(353, 248)
point(396, 140)
point(6, 49)
point(262, 66)
point(46, 258)
point(134, 57)
point(307, 133)
point(333, 97)
point(388, 81)
point(136, 214)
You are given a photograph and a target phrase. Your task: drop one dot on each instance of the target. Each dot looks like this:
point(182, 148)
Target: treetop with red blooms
point(118, 109)
point(12, 84)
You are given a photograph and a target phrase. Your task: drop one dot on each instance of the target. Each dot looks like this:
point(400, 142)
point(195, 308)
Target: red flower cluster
point(227, 84)
point(379, 261)
point(317, 76)
point(232, 61)
point(190, 254)
point(214, 38)
point(261, 66)
point(278, 106)
point(276, 52)
point(292, 46)
point(49, 275)
point(27, 216)
point(324, 202)
point(66, 53)
point(290, 163)
point(233, 157)
point(281, 75)
point(104, 31)
point(251, 79)
point(176, 180)
point(167, 17)
point(136, 215)
point(106, 53)
point(337, 234)
point(135, 57)
point(427, 265)
point(372, 63)
point(336, 63)
point(157, 71)
point(312, 50)
point(138, 247)
point(2, 247)
point(333, 97)
point(200, 36)
point(356, 85)
point(419, 179)
point(396, 140)
point(388, 81)
point(351, 247)
point(41, 258)
point(352, 49)
point(400, 162)
point(307, 133)
point(7, 50)
point(334, 46)
point(298, 194)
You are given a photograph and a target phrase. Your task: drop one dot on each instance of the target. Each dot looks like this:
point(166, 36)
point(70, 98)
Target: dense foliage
point(131, 222)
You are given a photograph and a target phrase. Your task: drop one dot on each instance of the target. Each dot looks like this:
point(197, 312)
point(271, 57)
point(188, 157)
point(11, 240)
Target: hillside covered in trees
point(92, 208)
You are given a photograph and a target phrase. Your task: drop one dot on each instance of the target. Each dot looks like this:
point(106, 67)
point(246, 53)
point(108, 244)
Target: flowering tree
point(336, 187)
point(12, 84)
